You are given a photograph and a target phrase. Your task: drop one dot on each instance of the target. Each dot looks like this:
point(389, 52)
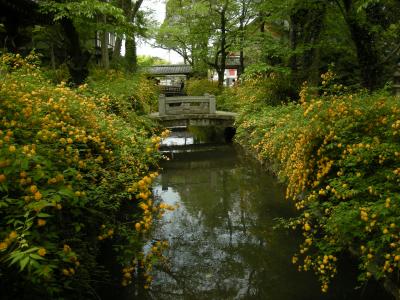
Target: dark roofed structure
point(164, 70)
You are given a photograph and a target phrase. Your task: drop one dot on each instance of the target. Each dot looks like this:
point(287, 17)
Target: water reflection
point(223, 245)
point(194, 135)
point(180, 138)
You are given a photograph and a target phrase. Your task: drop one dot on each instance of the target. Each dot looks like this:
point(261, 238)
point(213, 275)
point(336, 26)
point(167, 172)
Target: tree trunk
point(78, 60)
point(293, 43)
point(312, 26)
point(117, 48)
point(130, 45)
point(364, 41)
point(130, 54)
point(241, 53)
point(105, 60)
point(221, 71)
point(221, 77)
point(306, 25)
point(242, 33)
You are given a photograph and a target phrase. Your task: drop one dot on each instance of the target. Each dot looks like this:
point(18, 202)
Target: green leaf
point(15, 257)
point(56, 198)
point(66, 192)
point(43, 215)
point(36, 256)
point(24, 164)
point(24, 262)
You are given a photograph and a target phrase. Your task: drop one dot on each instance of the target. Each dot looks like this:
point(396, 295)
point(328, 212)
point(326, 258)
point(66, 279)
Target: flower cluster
point(67, 164)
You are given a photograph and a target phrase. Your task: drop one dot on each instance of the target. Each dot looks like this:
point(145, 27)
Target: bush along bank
point(70, 168)
point(339, 155)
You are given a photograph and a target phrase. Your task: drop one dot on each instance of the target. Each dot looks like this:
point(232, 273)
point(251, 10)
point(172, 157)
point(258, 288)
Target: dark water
point(223, 244)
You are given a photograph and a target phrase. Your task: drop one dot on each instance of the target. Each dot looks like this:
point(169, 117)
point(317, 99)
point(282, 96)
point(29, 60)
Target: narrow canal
point(223, 244)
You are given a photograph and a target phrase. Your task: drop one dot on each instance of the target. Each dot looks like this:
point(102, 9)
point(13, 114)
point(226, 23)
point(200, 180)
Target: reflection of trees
point(201, 183)
point(209, 134)
point(222, 242)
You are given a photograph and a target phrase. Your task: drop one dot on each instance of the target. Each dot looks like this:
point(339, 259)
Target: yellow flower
point(38, 196)
point(41, 222)
point(65, 272)
point(67, 248)
point(12, 235)
point(33, 189)
point(3, 246)
point(12, 148)
point(137, 226)
point(42, 252)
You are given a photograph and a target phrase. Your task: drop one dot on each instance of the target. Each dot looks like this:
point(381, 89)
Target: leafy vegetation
point(339, 155)
point(76, 164)
point(204, 32)
point(257, 91)
point(130, 94)
point(76, 34)
point(199, 87)
point(75, 174)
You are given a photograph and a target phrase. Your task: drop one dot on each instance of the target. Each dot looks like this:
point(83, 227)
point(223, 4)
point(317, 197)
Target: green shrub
point(340, 158)
point(61, 74)
point(199, 87)
point(72, 176)
point(256, 92)
point(125, 91)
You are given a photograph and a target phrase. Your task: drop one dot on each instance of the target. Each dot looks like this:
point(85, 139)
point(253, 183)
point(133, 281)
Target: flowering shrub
point(72, 175)
point(340, 157)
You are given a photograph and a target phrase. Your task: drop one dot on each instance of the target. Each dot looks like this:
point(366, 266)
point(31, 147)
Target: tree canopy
point(359, 39)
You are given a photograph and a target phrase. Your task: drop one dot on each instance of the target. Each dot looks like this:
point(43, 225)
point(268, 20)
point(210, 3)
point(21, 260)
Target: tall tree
point(220, 40)
point(132, 14)
point(359, 36)
point(247, 14)
point(367, 22)
point(186, 30)
point(104, 41)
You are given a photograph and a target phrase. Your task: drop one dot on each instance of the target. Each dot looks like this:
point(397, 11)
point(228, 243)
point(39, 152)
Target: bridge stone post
point(161, 105)
point(212, 103)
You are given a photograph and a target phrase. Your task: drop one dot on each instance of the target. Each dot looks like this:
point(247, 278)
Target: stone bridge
point(186, 111)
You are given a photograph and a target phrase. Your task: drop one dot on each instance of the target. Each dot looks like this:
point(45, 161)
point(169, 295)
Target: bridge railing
point(186, 105)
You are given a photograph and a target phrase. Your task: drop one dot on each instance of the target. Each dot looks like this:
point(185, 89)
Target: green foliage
point(340, 157)
point(256, 92)
point(199, 87)
point(72, 175)
point(60, 74)
point(147, 61)
point(260, 69)
point(185, 30)
point(128, 94)
point(81, 11)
